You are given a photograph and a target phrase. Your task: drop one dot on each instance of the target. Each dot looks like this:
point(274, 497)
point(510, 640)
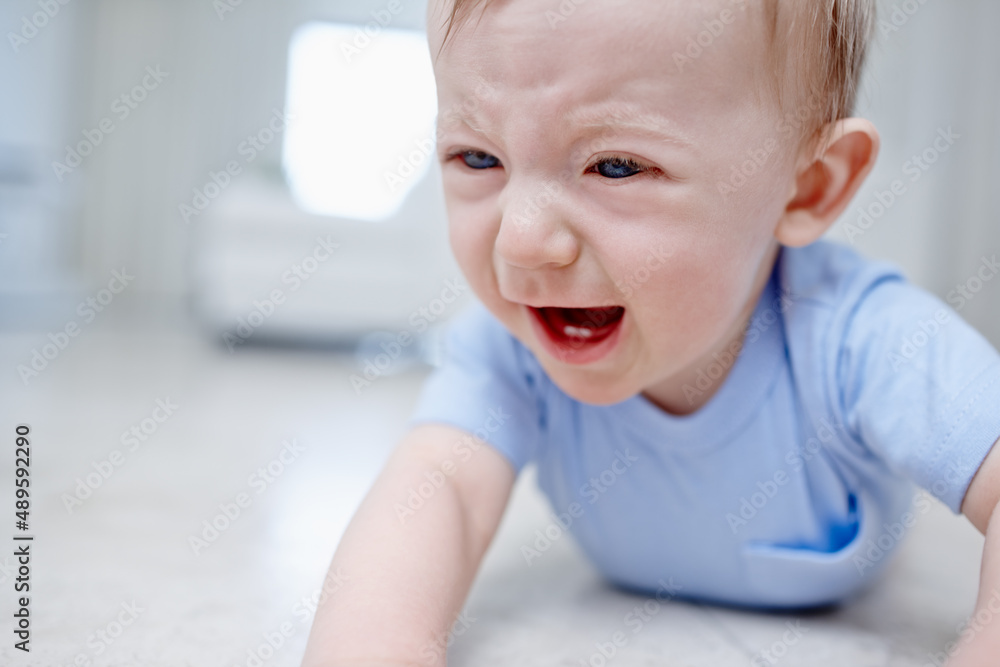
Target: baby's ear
point(827, 179)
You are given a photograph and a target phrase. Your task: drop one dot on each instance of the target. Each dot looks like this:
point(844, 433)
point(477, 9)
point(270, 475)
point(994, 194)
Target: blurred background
point(154, 194)
point(233, 205)
point(235, 135)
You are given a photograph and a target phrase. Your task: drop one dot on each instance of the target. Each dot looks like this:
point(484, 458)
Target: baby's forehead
point(643, 24)
point(685, 62)
point(519, 41)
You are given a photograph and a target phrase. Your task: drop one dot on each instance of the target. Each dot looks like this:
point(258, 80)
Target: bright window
point(361, 131)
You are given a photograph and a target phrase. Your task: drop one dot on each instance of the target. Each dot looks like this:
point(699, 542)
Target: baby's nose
point(534, 229)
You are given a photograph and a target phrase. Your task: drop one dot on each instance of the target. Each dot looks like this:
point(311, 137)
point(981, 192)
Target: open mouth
point(579, 335)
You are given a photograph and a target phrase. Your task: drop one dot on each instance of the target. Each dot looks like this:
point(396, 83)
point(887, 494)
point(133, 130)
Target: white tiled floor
point(129, 541)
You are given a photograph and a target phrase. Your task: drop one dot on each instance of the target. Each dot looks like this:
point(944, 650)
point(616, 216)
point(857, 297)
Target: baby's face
point(582, 163)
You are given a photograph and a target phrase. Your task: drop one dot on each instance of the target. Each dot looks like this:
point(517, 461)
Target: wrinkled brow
point(628, 117)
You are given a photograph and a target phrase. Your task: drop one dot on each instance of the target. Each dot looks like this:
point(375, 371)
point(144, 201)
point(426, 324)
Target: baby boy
point(713, 396)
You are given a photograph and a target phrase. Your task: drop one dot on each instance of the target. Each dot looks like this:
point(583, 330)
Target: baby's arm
point(980, 644)
point(404, 581)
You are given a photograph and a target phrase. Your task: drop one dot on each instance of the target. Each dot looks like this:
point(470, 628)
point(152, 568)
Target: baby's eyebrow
point(467, 110)
point(627, 116)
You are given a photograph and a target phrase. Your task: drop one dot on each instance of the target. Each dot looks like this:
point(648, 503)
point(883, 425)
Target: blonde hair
point(837, 33)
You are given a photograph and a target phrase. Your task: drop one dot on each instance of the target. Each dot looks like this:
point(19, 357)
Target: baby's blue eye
point(479, 160)
point(618, 167)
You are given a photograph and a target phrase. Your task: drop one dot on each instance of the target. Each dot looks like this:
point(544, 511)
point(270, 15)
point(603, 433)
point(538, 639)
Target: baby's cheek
point(471, 241)
point(471, 231)
point(695, 302)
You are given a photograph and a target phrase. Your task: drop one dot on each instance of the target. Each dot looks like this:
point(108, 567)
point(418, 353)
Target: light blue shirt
point(791, 486)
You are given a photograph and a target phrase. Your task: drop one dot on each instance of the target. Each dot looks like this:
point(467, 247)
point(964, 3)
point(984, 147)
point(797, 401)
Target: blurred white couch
point(379, 277)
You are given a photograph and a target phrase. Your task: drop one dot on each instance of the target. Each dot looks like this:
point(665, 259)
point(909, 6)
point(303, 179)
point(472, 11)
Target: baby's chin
point(591, 387)
point(601, 383)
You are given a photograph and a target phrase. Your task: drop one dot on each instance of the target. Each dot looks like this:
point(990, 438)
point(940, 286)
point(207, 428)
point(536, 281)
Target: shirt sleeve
point(920, 387)
point(485, 387)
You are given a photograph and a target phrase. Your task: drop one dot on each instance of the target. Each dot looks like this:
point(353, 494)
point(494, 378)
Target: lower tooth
point(579, 332)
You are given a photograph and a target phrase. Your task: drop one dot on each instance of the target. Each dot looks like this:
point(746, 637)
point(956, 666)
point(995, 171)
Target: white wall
point(940, 69)
point(41, 85)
